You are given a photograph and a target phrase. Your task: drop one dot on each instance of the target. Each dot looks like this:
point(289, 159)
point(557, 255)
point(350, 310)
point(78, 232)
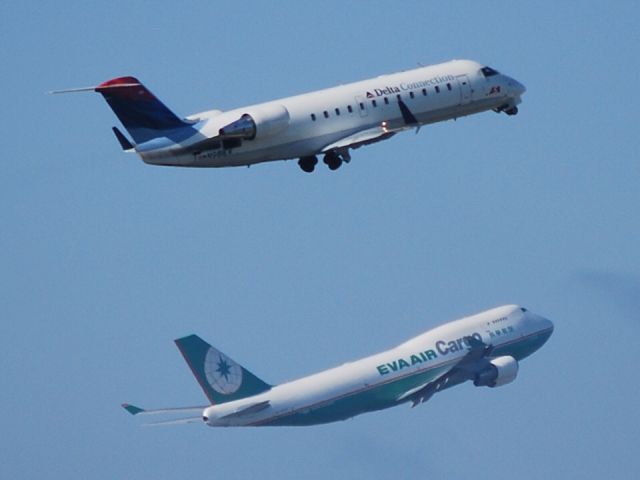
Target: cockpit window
point(523, 309)
point(489, 72)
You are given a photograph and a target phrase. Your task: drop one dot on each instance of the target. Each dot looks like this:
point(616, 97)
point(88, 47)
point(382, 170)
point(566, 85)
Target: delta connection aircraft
point(484, 348)
point(326, 122)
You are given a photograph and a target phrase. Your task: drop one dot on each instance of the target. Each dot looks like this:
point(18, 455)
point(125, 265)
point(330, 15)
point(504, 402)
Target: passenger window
point(437, 89)
point(326, 114)
point(386, 100)
point(411, 94)
point(424, 92)
point(361, 106)
point(374, 103)
point(349, 109)
point(449, 86)
point(337, 111)
point(398, 97)
point(313, 117)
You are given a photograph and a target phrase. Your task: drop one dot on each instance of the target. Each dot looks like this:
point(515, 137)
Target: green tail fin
point(220, 377)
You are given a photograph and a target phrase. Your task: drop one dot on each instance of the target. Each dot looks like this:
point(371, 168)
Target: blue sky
point(105, 260)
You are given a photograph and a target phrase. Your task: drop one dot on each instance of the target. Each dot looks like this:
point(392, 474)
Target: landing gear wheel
point(511, 111)
point(333, 160)
point(308, 164)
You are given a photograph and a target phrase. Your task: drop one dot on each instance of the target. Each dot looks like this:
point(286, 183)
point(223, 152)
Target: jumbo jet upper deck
point(327, 123)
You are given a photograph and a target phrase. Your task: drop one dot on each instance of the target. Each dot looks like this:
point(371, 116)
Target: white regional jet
point(327, 122)
point(484, 348)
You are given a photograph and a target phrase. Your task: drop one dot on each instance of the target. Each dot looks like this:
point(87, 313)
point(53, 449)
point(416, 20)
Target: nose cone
point(517, 89)
point(545, 327)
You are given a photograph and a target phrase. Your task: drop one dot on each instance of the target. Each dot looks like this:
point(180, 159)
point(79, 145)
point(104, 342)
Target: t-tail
point(221, 379)
point(140, 112)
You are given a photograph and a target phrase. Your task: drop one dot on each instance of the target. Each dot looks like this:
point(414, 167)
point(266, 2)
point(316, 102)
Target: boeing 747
point(485, 349)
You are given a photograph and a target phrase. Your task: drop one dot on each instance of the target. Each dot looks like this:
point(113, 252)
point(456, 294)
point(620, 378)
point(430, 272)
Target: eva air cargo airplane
point(327, 123)
point(485, 348)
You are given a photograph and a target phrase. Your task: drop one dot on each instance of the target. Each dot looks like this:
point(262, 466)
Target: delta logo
point(383, 91)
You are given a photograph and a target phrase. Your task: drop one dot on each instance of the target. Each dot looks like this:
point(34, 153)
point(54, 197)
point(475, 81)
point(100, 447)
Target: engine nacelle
point(500, 371)
point(261, 122)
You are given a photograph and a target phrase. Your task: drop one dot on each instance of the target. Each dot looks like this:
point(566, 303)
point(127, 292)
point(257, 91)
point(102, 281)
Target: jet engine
point(261, 122)
point(500, 371)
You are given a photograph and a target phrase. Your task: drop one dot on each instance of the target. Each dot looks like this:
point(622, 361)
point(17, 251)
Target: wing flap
point(358, 139)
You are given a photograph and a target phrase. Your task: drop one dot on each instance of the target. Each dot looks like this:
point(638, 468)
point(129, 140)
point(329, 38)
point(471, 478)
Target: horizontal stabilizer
point(143, 115)
point(133, 410)
point(122, 140)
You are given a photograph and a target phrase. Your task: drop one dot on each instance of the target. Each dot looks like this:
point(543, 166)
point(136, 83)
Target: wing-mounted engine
point(260, 122)
point(499, 371)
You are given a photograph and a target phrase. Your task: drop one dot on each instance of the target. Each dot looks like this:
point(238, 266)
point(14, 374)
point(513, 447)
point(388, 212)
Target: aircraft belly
point(368, 399)
point(449, 113)
point(292, 147)
point(289, 149)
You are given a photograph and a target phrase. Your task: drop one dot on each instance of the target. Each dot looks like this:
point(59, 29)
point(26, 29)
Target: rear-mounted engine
point(263, 121)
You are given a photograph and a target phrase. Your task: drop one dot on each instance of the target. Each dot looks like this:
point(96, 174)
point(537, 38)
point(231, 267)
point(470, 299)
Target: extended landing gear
point(333, 159)
point(508, 109)
point(308, 164)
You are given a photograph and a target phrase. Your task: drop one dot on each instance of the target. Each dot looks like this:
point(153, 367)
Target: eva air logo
point(223, 374)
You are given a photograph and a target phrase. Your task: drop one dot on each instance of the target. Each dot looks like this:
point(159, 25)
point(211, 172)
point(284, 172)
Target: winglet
point(132, 409)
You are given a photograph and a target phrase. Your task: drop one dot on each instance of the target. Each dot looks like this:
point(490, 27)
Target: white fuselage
point(379, 381)
point(314, 121)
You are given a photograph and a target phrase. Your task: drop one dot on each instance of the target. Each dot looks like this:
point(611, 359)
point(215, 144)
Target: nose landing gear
point(508, 109)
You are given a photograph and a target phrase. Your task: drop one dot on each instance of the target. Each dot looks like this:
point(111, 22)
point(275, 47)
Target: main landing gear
point(308, 164)
point(333, 159)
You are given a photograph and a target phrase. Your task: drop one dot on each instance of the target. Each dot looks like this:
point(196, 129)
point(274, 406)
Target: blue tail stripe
point(141, 113)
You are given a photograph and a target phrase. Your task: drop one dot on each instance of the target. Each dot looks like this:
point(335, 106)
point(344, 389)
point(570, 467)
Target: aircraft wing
point(463, 370)
point(363, 137)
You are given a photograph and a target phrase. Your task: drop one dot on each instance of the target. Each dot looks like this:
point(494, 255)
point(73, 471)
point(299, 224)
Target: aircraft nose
point(516, 87)
point(547, 325)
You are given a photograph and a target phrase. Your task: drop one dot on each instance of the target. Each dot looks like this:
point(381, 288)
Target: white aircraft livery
point(327, 122)
point(485, 348)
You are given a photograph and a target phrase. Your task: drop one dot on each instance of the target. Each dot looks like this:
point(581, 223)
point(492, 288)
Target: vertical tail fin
point(220, 377)
point(141, 113)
